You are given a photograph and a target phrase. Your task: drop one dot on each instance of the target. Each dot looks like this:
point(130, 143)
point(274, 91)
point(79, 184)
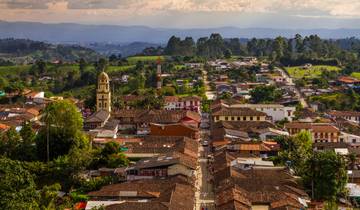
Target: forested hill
point(26, 51)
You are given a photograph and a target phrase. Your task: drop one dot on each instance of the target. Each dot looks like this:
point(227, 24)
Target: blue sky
point(189, 13)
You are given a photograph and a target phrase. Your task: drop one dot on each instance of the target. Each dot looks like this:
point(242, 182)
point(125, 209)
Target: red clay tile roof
point(138, 206)
point(168, 99)
point(225, 111)
point(190, 98)
point(172, 193)
point(33, 111)
point(163, 145)
point(315, 127)
point(348, 80)
point(245, 126)
point(344, 113)
point(146, 188)
point(4, 127)
point(272, 186)
point(167, 160)
point(167, 116)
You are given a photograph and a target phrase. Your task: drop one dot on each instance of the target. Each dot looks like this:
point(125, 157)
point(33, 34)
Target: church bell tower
point(103, 94)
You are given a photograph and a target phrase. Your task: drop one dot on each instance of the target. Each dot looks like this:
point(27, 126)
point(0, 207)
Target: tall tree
point(173, 46)
point(325, 175)
point(295, 150)
point(62, 130)
point(202, 47)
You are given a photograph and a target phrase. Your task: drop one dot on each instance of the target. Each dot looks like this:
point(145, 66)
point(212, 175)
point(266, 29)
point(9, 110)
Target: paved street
point(204, 194)
point(301, 98)
point(211, 95)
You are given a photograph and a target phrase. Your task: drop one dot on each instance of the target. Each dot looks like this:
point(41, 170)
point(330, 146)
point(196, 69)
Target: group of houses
point(242, 140)
point(263, 76)
point(165, 143)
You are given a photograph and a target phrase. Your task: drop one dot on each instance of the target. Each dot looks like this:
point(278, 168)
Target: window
point(217, 118)
point(244, 118)
point(354, 141)
point(232, 118)
point(258, 118)
point(226, 118)
point(251, 118)
point(341, 140)
point(238, 118)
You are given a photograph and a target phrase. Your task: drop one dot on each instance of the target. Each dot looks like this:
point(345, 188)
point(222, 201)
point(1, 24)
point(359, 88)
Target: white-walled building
point(36, 97)
point(349, 138)
point(276, 111)
point(191, 103)
point(347, 115)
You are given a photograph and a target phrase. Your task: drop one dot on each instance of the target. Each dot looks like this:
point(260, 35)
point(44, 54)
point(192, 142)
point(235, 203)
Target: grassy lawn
point(119, 68)
point(298, 72)
point(9, 70)
point(134, 59)
point(356, 75)
point(178, 67)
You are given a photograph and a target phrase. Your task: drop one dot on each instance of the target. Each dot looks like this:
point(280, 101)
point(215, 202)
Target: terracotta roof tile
point(225, 111)
point(344, 113)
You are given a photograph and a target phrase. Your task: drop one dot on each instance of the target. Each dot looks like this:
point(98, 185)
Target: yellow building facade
point(103, 93)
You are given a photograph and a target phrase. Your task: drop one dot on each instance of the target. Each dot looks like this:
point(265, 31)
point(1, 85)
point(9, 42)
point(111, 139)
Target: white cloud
point(336, 8)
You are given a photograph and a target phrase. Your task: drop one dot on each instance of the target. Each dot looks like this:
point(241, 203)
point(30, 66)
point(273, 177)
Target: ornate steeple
point(103, 94)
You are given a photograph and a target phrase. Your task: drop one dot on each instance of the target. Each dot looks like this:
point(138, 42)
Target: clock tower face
point(103, 94)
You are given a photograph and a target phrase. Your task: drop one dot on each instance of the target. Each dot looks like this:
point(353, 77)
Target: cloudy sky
point(189, 13)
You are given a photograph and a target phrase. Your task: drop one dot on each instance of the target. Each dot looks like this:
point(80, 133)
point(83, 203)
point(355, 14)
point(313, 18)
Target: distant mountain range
point(79, 33)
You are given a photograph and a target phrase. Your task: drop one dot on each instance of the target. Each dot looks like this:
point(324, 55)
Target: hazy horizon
point(187, 14)
point(188, 28)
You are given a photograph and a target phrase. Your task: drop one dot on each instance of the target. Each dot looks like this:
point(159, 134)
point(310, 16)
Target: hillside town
point(252, 138)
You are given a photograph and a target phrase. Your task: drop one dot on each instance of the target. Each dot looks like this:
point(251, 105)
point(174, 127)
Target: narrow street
point(301, 98)
point(204, 189)
point(211, 95)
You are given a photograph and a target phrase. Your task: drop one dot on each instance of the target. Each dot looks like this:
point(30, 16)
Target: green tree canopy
point(17, 186)
point(265, 94)
point(62, 127)
point(325, 173)
point(295, 150)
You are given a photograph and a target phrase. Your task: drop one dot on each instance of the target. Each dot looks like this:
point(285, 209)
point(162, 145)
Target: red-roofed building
point(177, 129)
point(191, 103)
point(348, 81)
point(321, 132)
